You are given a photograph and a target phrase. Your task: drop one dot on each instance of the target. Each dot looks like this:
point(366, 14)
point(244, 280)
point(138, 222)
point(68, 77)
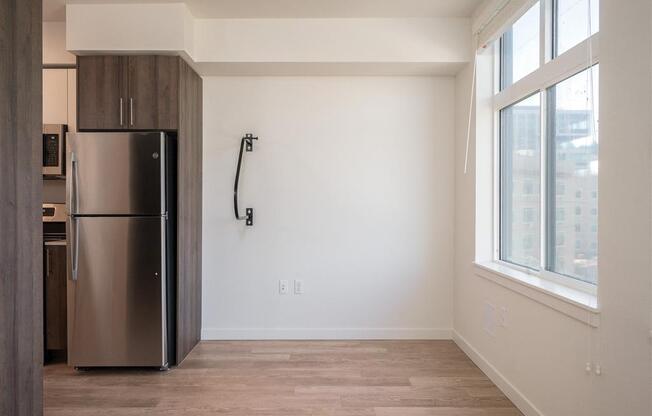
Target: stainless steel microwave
point(54, 149)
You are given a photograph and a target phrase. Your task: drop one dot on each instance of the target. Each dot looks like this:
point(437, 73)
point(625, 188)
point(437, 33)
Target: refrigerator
point(121, 230)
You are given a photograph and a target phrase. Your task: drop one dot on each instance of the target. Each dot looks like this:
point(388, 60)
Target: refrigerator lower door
point(116, 173)
point(118, 305)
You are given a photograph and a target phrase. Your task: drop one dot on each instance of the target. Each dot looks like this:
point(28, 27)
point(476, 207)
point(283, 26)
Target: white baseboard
point(514, 394)
point(323, 333)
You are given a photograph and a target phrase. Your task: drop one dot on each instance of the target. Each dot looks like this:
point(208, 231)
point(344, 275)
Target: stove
point(54, 223)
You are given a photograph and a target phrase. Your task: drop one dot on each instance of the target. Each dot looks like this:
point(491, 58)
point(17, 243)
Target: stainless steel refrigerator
point(121, 229)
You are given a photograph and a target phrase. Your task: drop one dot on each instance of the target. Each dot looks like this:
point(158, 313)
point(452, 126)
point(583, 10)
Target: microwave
point(54, 149)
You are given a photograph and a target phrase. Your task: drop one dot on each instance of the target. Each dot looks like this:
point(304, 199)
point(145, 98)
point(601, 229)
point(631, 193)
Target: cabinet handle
point(131, 111)
point(121, 118)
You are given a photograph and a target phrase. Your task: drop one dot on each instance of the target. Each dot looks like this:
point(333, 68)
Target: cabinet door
point(153, 93)
point(102, 93)
point(55, 297)
point(55, 96)
point(72, 100)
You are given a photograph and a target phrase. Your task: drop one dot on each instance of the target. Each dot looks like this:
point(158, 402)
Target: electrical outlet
point(298, 287)
point(489, 319)
point(283, 287)
point(502, 317)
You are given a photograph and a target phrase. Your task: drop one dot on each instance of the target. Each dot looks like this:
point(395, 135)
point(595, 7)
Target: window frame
point(552, 70)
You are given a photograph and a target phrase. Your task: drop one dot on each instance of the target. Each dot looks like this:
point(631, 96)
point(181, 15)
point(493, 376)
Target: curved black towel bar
point(248, 144)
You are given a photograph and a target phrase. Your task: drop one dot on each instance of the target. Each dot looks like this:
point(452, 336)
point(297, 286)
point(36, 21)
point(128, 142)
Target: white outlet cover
point(283, 287)
point(502, 318)
point(489, 319)
point(298, 287)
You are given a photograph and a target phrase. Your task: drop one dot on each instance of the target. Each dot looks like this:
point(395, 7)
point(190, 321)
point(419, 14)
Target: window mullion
point(545, 33)
point(543, 183)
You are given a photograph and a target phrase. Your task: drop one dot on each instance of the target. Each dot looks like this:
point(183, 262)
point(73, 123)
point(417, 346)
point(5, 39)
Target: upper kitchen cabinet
point(102, 93)
point(60, 97)
point(128, 92)
point(153, 92)
point(55, 96)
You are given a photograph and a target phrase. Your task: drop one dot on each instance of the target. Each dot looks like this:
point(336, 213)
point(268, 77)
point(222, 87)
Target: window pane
point(572, 22)
point(520, 48)
point(573, 166)
point(520, 183)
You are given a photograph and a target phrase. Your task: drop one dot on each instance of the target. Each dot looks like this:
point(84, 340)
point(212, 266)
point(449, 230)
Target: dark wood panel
point(55, 297)
point(102, 93)
point(189, 210)
point(153, 92)
point(21, 285)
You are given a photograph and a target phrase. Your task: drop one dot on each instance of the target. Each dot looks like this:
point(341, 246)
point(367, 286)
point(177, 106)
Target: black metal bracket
point(245, 144)
point(249, 142)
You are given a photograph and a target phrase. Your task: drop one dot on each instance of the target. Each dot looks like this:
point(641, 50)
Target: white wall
point(539, 357)
point(352, 186)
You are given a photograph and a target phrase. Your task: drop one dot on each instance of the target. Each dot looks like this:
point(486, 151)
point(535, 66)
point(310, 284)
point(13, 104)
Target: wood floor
point(288, 378)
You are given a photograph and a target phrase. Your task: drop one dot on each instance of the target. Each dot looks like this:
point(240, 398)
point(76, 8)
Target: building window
point(548, 140)
point(573, 102)
point(572, 23)
point(519, 48)
point(520, 162)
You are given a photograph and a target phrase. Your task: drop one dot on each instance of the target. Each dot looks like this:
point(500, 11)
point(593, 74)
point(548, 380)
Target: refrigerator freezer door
point(118, 308)
point(116, 173)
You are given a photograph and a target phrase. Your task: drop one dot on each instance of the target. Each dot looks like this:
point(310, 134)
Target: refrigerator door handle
point(72, 195)
point(73, 205)
point(74, 247)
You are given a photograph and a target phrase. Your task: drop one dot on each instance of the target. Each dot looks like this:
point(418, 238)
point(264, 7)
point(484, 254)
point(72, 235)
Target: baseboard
point(514, 394)
point(323, 333)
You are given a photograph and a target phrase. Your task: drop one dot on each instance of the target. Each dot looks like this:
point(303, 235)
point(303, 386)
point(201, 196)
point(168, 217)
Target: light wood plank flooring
point(287, 378)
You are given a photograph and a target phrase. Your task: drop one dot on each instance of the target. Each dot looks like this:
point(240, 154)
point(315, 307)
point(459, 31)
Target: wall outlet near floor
point(502, 316)
point(298, 287)
point(489, 319)
point(283, 287)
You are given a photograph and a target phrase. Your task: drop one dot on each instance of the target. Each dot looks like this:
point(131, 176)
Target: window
point(570, 102)
point(519, 48)
point(572, 23)
point(519, 163)
point(547, 143)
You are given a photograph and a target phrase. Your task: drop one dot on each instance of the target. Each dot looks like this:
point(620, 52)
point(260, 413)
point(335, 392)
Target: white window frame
point(551, 71)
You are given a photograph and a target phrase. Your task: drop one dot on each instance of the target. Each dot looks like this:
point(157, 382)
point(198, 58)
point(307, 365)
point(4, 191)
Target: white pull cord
point(468, 128)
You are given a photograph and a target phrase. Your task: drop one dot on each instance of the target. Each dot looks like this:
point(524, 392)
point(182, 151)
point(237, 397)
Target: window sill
point(574, 303)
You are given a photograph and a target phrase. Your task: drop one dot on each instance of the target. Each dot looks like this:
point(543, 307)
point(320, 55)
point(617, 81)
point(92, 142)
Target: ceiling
point(54, 10)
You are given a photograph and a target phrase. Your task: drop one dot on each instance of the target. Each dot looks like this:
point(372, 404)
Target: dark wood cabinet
point(101, 92)
point(128, 92)
point(54, 299)
point(153, 92)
